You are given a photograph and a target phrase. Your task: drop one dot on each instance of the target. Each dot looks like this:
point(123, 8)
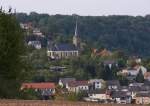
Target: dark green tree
point(13, 65)
point(140, 77)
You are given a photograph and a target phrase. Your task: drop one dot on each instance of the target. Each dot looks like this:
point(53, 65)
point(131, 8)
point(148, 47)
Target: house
point(60, 51)
point(45, 89)
point(133, 71)
point(99, 94)
point(96, 83)
point(63, 82)
point(101, 53)
point(37, 32)
point(136, 89)
point(143, 98)
point(121, 97)
point(130, 72)
point(35, 44)
point(147, 76)
point(110, 63)
point(78, 86)
point(140, 67)
point(136, 84)
point(135, 59)
point(113, 84)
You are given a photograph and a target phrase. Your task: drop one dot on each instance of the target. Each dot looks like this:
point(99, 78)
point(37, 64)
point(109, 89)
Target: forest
point(130, 34)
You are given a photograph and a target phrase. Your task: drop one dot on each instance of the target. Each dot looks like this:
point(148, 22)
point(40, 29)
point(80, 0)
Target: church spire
point(76, 37)
point(76, 28)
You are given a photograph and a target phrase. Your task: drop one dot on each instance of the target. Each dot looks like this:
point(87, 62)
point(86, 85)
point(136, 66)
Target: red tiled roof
point(38, 85)
point(78, 83)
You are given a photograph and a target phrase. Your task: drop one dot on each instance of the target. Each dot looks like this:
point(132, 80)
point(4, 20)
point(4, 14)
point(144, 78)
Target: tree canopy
point(127, 33)
point(13, 65)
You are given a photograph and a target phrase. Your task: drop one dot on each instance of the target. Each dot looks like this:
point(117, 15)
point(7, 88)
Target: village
point(136, 91)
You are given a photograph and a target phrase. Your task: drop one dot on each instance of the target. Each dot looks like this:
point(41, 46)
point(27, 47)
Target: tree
point(13, 65)
point(140, 77)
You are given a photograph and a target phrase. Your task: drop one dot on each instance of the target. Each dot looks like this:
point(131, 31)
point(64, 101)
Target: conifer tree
point(140, 77)
point(12, 52)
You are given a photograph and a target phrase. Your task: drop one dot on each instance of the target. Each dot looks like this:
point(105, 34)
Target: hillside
point(127, 33)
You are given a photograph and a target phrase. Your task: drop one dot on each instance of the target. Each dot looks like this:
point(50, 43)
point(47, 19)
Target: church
point(61, 51)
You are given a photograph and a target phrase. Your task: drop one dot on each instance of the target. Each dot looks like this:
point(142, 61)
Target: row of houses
point(97, 90)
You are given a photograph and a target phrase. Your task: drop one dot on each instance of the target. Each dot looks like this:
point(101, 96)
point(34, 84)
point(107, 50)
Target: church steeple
point(76, 41)
point(76, 29)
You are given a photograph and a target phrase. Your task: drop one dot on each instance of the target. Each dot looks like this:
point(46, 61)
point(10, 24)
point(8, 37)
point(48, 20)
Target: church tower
point(76, 40)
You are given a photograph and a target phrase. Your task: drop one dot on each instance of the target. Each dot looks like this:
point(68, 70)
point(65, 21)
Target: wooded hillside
point(128, 33)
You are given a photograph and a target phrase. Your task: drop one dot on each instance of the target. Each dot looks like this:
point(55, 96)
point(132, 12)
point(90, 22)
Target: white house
point(63, 82)
point(99, 94)
point(35, 44)
point(96, 83)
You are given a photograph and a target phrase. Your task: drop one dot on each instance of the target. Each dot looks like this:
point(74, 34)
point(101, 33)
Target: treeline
point(128, 33)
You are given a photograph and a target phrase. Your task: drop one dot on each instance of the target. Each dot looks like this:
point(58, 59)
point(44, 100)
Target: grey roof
point(78, 83)
point(147, 83)
point(119, 94)
point(113, 82)
point(97, 91)
point(67, 80)
point(139, 88)
point(143, 94)
point(136, 84)
point(62, 47)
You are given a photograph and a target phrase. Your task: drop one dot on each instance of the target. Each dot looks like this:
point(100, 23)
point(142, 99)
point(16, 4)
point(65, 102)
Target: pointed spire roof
point(76, 28)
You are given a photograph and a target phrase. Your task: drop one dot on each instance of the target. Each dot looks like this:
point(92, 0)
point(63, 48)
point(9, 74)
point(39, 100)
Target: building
point(147, 76)
point(96, 83)
point(37, 32)
point(44, 89)
point(78, 86)
point(99, 94)
point(110, 63)
point(133, 71)
point(101, 53)
point(113, 84)
point(143, 98)
point(60, 51)
point(63, 82)
point(76, 39)
point(35, 44)
point(121, 97)
point(66, 50)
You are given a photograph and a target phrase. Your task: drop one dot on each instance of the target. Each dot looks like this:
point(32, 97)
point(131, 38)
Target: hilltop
point(127, 33)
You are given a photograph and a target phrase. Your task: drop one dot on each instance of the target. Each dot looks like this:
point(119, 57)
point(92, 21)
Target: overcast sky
point(81, 7)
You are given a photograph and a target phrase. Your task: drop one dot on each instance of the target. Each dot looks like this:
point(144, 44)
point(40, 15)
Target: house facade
point(113, 85)
point(78, 86)
point(35, 44)
point(121, 97)
point(143, 98)
point(147, 76)
point(44, 89)
point(63, 82)
point(99, 94)
point(96, 83)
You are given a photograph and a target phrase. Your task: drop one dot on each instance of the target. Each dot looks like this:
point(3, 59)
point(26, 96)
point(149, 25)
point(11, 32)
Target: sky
point(81, 7)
